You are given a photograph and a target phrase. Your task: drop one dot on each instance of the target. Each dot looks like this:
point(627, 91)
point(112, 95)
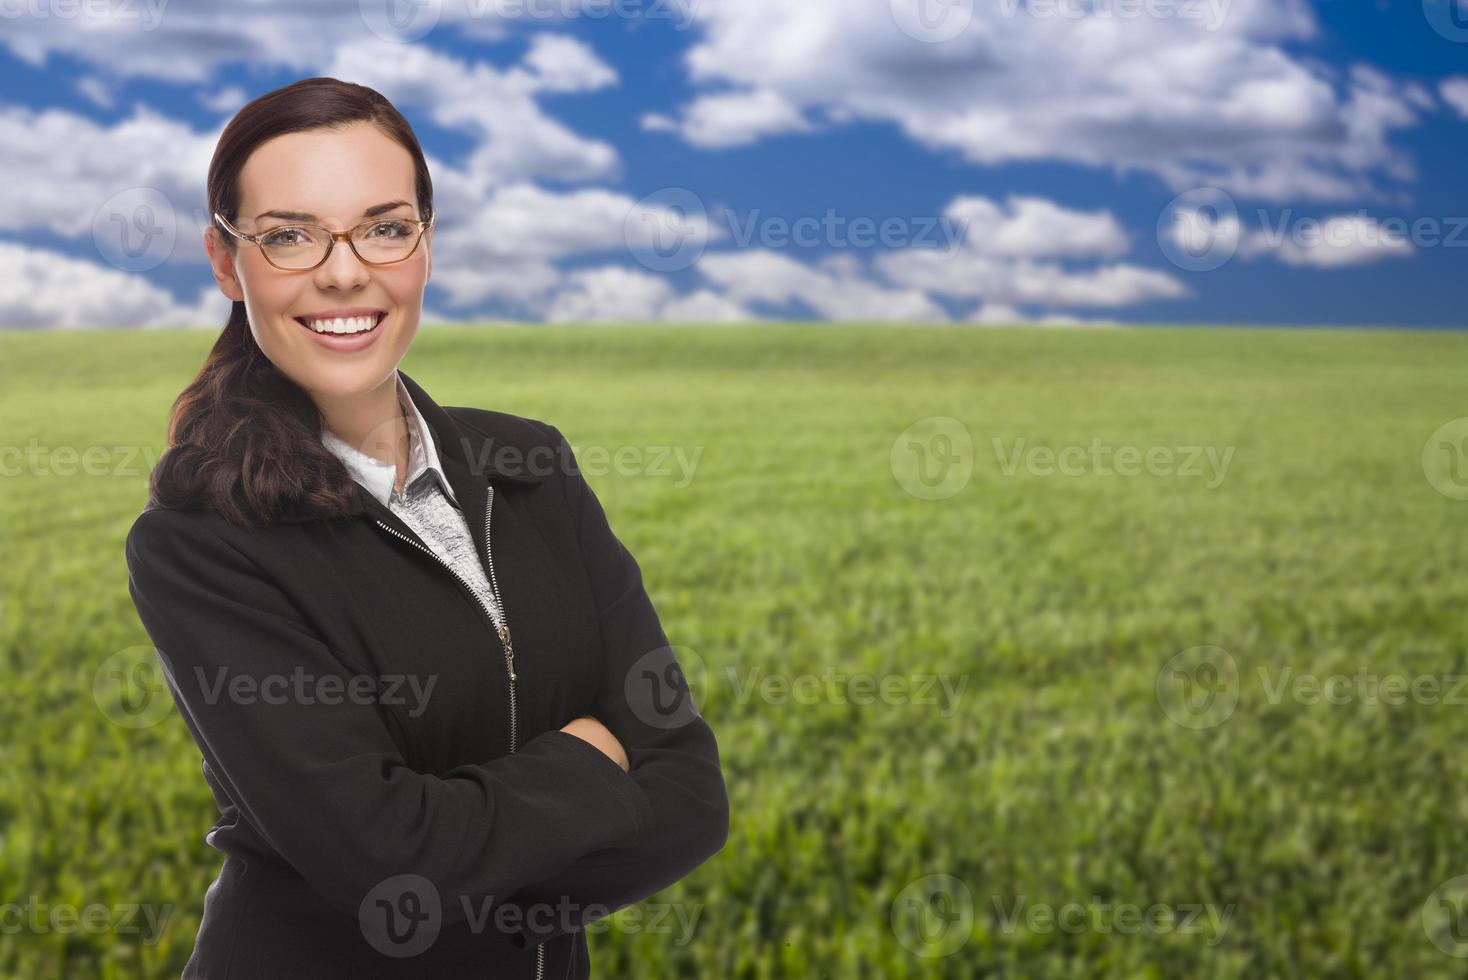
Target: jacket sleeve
point(673, 755)
point(320, 776)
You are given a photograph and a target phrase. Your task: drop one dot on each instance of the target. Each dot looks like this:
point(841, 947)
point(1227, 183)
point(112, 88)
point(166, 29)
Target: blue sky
point(1040, 161)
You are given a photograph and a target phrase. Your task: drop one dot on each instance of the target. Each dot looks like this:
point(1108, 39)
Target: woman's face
point(337, 176)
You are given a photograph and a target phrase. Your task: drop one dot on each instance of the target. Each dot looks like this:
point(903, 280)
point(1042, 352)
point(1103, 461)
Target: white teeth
point(355, 324)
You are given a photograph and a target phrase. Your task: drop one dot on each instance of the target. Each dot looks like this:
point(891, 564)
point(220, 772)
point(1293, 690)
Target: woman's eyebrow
point(371, 212)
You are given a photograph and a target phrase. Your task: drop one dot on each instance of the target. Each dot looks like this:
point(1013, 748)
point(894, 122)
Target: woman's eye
point(281, 236)
point(389, 229)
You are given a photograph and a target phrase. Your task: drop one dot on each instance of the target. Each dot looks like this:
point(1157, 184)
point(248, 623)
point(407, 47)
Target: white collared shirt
point(380, 478)
point(427, 504)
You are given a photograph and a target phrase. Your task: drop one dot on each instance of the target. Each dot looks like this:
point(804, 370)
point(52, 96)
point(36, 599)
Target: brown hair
point(243, 439)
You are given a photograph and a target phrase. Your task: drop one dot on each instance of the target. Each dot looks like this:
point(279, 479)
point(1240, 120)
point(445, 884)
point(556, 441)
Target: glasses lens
point(295, 247)
point(385, 241)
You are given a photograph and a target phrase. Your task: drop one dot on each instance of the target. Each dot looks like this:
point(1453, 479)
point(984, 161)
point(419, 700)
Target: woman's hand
point(588, 729)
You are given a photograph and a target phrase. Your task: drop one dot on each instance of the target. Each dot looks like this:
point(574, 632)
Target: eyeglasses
point(300, 248)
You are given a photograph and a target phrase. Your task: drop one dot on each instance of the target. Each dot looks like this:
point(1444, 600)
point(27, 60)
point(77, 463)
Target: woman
point(435, 754)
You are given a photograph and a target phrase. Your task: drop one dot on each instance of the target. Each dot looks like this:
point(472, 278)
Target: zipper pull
point(504, 633)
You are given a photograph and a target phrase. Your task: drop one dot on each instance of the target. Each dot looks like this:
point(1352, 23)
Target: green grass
point(1054, 600)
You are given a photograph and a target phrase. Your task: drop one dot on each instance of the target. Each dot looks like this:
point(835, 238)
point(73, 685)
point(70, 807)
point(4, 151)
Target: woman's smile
point(344, 333)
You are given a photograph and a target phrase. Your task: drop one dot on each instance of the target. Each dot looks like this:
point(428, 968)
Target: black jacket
point(383, 810)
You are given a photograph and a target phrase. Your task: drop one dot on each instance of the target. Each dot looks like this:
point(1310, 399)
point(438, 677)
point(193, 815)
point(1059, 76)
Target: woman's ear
point(221, 260)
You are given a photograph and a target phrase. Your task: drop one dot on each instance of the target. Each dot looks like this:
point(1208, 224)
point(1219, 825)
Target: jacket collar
point(468, 452)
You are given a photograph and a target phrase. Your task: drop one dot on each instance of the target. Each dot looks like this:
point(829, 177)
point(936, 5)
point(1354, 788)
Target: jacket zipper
point(502, 629)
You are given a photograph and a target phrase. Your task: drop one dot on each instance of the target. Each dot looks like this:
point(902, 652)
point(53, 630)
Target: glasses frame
point(332, 238)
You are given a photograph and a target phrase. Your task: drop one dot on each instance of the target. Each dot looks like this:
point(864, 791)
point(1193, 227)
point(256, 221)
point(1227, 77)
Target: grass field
point(1036, 751)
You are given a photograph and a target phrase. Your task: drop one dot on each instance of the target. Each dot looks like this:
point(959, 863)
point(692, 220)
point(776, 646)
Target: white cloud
point(705, 306)
point(1001, 315)
point(612, 294)
point(227, 100)
point(1195, 102)
point(836, 290)
point(1345, 240)
point(1336, 242)
point(96, 91)
point(506, 245)
point(42, 288)
point(1034, 226)
point(968, 276)
point(733, 119)
point(1454, 92)
point(61, 169)
point(564, 64)
point(515, 139)
point(658, 122)
point(1010, 256)
point(498, 234)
